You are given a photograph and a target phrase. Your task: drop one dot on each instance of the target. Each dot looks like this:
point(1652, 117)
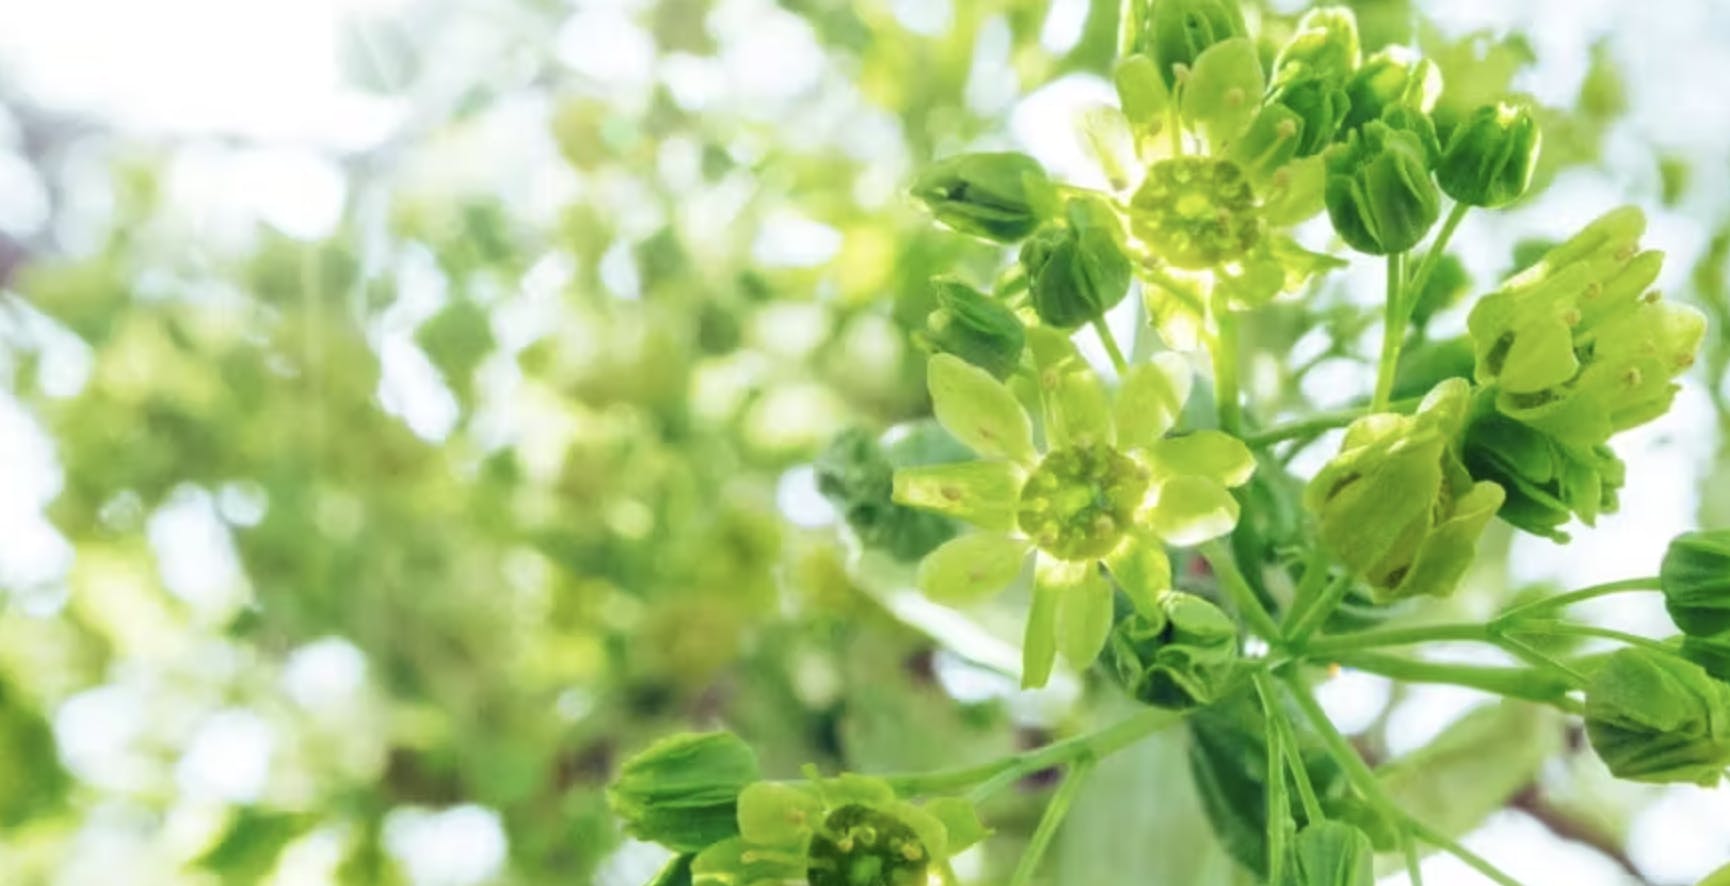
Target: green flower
point(1695, 578)
point(1109, 487)
point(1397, 506)
point(1179, 31)
point(1394, 76)
point(1654, 717)
point(998, 196)
point(1181, 654)
point(1325, 43)
point(1076, 271)
point(1548, 481)
point(844, 831)
point(975, 327)
point(1576, 345)
point(1490, 157)
point(683, 790)
point(1379, 193)
point(1196, 213)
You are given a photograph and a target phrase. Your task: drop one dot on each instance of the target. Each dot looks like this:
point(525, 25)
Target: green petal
point(1084, 618)
point(978, 409)
point(983, 493)
point(1143, 570)
point(1224, 91)
point(1076, 408)
point(1051, 580)
point(1190, 510)
point(971, 567)
point(776, 814)
point(1215, 455)
point(928, 827)
point(960, 822)
point(1151, 398)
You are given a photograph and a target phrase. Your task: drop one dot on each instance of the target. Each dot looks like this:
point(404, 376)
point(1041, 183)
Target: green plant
point(1112, 487)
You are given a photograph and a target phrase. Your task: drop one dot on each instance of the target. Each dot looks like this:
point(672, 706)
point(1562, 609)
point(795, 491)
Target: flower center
point(860, 846)
point(1196, 213)
point(1081, 500)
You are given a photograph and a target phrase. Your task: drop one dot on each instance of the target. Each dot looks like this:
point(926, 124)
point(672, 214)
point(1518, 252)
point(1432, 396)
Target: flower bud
point(1654, 717)
point(683, 791)
point(1076, 271)
point(1548, 481)
point(1196, 213)
point(1332, 853)
point(975, 327)
point(1179, 655)
point(1319, 103)
point(1490, 157)
point(1396, 75)
point(1397, 506)
point(997, 196)
point(1405, 118)
point(1695, 577)
point(856, 474)
point(1379, 193)
point(1325, 42)
point(1179, 31)
point(1576, 345)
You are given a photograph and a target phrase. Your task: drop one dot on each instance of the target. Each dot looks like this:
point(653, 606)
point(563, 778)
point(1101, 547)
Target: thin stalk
point(1331, 646)
point(1438, 248)
point(1111, 348)
point(1294, 762)
point(1393, 334)
point(1357, 771)
point(1237, 588)
point(1526, 683)
point(1322, 421)
point(1225, 382)
point(1279, 822)
point(1318, 611)
point(1477, 862)
point(1562, 601)
point(1537, 657)
point(1310, 584)
point(1565, 628)
point(1008, 770)
point(1049, 822)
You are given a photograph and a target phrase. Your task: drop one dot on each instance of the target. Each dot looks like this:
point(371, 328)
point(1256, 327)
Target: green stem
point(1437, 839)
point(1237, 588)
point(1438, 248)
point(1318, 611)
point(1008, 770)
point(1537, 657)
point(1562, 601)
point(1049, 822)
point(1529, 684)
point(1393, 334)
point(1357, 771)
point(1570, 629)
point(1332, 646)
point(1279, 821)
point(1323, 421)
point(1276, 715)
point(1225, 383)
point(1111, 348)
point(1310, 584)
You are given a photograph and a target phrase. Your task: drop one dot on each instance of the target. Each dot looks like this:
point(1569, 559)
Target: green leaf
point(971, 567)
point(978, 409)
point(983, 493)
point(683, 790)
point(1215, 455)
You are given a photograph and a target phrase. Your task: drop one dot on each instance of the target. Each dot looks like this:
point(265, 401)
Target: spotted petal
point(978, 409)
point(1052, 579)
point(1076, 408)
point(1151, 398)
point(983, 493)
point(971, 567)
point(1212, 454)
point(1189, 510)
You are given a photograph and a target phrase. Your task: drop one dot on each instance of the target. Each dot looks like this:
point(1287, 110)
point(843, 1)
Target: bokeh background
point(409, 408)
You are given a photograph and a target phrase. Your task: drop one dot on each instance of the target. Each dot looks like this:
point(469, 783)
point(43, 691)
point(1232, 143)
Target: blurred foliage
point(521, 430)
